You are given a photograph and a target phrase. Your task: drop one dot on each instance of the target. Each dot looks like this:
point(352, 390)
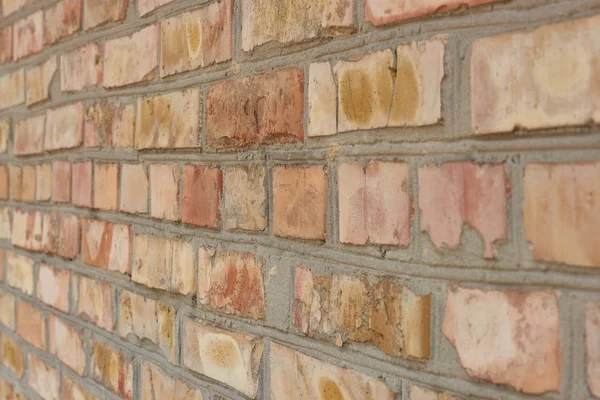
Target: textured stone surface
point(61, 20)
point(28, 36)
point(202, 192)
point(245, 203)
point(12, 87)
point(592, 335)
point(99, 12)
point(81, 183)
point(65, 343)
point(19, 272)
point(112, 369)
point(134, 188)
point(43, 174)
point(64, 127)
point(95, 301)
point(156, 384)
point(106, 186)
point(43, 379)
point(31, 325)
point(29, 135)
point(164, 192)
point(106, 245)
point(81, 68)
point(53, 287)
point(61, 181)
point(110, 125)
point(38, 79)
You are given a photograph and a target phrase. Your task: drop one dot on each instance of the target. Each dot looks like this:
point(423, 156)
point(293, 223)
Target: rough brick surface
point(72, 391)
point(146, 6)
point(202, 191)
point(106, 186)
point(38, 79)
point(95, 301)
point(112, 369)
point(12, 356)
point(99, 12)
point(62, 19)
point(44, 379)
point(61, 181)
point(65, 343)
point(111, 125)
point(53, 287)
point(28, 35)
point(27, 230)
point(164, 191)
point(245, 203)
point(156, 384)
point(6, 44)
point(81, 68)
point(81, 183)
point(592, 332)
point(7, 310)
point(19, 272)
point(64, 127)
point(31, 325)
point(29, 136)
point(43, 174)
point(106, 245)
point(12, 87)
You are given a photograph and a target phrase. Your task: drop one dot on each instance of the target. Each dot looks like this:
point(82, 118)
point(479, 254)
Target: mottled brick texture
point(299, 199)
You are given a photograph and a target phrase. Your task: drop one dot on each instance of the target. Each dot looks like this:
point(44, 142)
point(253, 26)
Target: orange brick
point(5, 223)
point(134, 188)
point(81, 186)
point(61, 181)
point(31, 325)
point(106, 245)
point(53, 287)
point(4, 183)
point(202, 191)
point(95, 300)
point(65, 343)
point(106, 186)
point(6, 47)
point(164, 191)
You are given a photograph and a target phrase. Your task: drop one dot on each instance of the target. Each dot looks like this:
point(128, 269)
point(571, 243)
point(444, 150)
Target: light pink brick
point(27, 230)
point(6, 44)
point(29, 136)
point(81, 68)
point(19, 272)
point(61, 235)
point(53, 287)
point(81, 185)
point(43, 379)
point(38, 80)
point(64, 127)
point(164, 191)
point(61, 20)
point(31, 325)
point(134, 189)
point(66, 344)
point(44, 179)
point(12, 87)
point(106, 186)
point(100, 12)
point(95, 301)
point(106, 245)
point(61, 181)
point(146, 6)
point(28, 35)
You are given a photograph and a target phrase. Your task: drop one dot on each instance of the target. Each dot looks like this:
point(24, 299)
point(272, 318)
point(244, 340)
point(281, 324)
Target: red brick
point(535, 79)
point(29, 136)
point(31, 325)
point(61, 235)
point(53, 287)
point(61, 20)
point(507, 337)
point(4, 134)
point(64, 127)
point(106, 245)
point(65, 343)
point(6, 46)
point(38, 80)
point(296, 376)
point(112, 369)
point(43, 173)
point(289, 21)
point(73, 391)
point(146, 6)
point(19, 272)
point(258, 109)
point(232, 282)
point(12, 87)
point(43, 379)
point(7, 310)
point(245, 198)
point(81, 68)
point(27, 230)
point(106, 186)
point(81, 185)
point(562, 212)
point(164, 191)
point(156, 384)
point(4, 183)
point(458, 193)
point(592, 335)
point(100, 12)
point(134, 188)
point(203, 352)
point(374, 203)
point(61, 181)
point(95, 300)
point(300, 202)
point(196, 39)
point(202, 192)
point(384, 313)
point(12, 356)
point(28, 35)
point(131, 59)
point(110, 125)
point(148, 320)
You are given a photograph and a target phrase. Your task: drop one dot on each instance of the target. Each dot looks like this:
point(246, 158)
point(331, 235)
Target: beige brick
point(156, 384)
point(245, 200)
point(12, 87)
point(38, 80)
point(44, 179)
point(322, 98)
point(64, 127)
point(106, 245)
point(134, 189)
point(31, 325)
point(112, 369)
point(106, 186)
point(5, 224)
point(29, 136)
point(61, 181)
point(65, 343)
point(27, 230)
point(28, 35)
point(94, 300)
point(81, 183)
point(110, 125)
point(53, 287)
point(12, 356)
point(100, 12)
point(61, 20)
point(43, 379)
point(73, 391)
point(4, 134)
point(19, 272)
point(81, 68)
point(164, 191)
point(7, 310)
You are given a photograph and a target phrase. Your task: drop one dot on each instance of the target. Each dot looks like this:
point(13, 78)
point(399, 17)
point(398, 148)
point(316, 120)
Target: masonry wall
point(299, 199)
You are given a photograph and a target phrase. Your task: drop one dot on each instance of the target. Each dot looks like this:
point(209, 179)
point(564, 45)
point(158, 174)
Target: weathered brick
point(458, 193)
point(9, 392)
point(7, 310)
point(300, 202)
point(19, 272)
point(196, 39)
point(4, 134)
point(5, 223)
point(61, 181)
point(131, 59)
point(100, 12)
point(164, 191)
point(6, 44)
point(258, 109)
point(16, 182)
point(1, 264)
point(418, 393)
point(112, 369)
point(81, 68)
point(168, 121)
point(232, 282)
point(31, 325)
point(61, 20)
point(134, 188)
point(22, 183)
point(106, 186)
point(81, 184)
point(95, 300)
point(146, 6)
point(228, 357)
point(156, 384)
point(43, 379)
point(150, 320)
point(12, 6)
point(292, 21)
point(38, 80)
point(202, 192)
point(110, 125)
point(28, 35)
point(163, 263)
point(537, 79)
point(106, 245)
point(562, 212)
point(296, 376)
point(43, 173)
point(12, 87)
point(4, 182)
point(384, 313)
point(374, 203)
point(507, 337)
point(29, 136)
point(592, 334)
point(53, 287)
point(245, 200)
point(65, 343)
point(73, 391)
point(61, 235)
point(27, 230)
point(12, 356)
point(64, 127)
point(322, 98)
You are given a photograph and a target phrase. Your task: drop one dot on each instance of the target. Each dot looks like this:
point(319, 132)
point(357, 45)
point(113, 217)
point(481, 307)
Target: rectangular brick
point(150, 320)
point(9, 392)
point(31, 325)
point(11, 6)
point(66, 344)
point(196, 39)
point(111, 125)
point(72, 391)
point(4, 182)
point(100, 12)
point(232, 282)
point(12, 356)
point(19, 272)
point(227, 357)
point(259, 109)
point(296, 376)
point(27, 230)
point(53, 287)
point(5, 224)
point(43, 173)
point(156, 384)
point(7, 310)
point(202, 192)
point(164, 191)
point(16, 182)
point(112, 369)
point(106, 186)
point(64, 127)
point(29, 136)
point(12, 87)
point(134, 188)
point(4, 134)
point(22, 183)
point(43, 379)
point(106, 245)
point(418, 393)
point(61, 181)
point(81, 184)
point(245, 198)
point(38, 80)
point(28, 36)
point(94, 300)
point(6, 44)
point(61, 20)
point(168, 121)
point(322, 100)
point(60, 235)
point(147, 6)
point(131, 59)
point(164, 264)
point(81, 68)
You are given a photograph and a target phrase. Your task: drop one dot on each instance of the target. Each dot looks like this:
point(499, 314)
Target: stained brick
point(61, 181)
point(27, 230)
point(65, 343)
point(4, 134)
point(418, 393)
point(156, 384)
point(110, 125)
point(6, 44)
point(146, 6)
point(60, 235)
point(106, 186)
point(5, 224)
point(106, 245)
point(12, 356)
point(134, 188)
point(53, 287)
point(81, 194)
point(19, 272)
point(4, 182)
point(64, 127)
point(164, 191)
point(12, 87)
point(22, 183)
point(61, 20)
point(73, 391)
point(31, 325)
point(81, 68)
point(29, 136)
point(43, 379)
point(28, 35)
point(95, 300)
point(43, 173)
point(202, 191)
point(100, 12)
point(245, 200)
point(592, 334)
point(7, 310)
point(322, 100)
point(112, 369)
point(38, 80)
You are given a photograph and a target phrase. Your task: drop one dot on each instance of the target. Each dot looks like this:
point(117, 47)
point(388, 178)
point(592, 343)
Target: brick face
point(31, 325)
point(112, 369)
point(202, 191)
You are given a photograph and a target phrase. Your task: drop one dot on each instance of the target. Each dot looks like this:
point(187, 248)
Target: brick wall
point(299, 199)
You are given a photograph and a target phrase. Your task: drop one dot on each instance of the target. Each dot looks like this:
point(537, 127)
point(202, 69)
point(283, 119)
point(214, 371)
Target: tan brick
point(27, 230)
point(16, 182)
point(12, 87)
point(300, 202)
point(196, 39)
point(65, 343)
point(232, 282)
point(61, 20)
point(81, 68)
point(1, 264)
point(100, 12)
point(150, 320)
point(110, 125)
point(43, 173)
point(163, 263)
point(9, 392)
point(60, 235)
point(73, 391)
point(295, 376)
point(131, 59)
point(461, 193)
point(156, 384)
point(384, 313)
point(537, 79)
point(19, 272)
point(64, 127)
point(258, 109)
point(22, 183)
point(29, 136)
point(61, 181)
point(43, 379)
point(112, 369)
point(562, 212)
point(592, 335)
point(31, 325)
point(202, 192)
point(4, 182)
point(12, 356)
point(38, 80)
point(106, 186)
point(28, 35)
point(227, 357)
point(95, 300)
point(81, 184)
point(7, 310)
point(507, 337)
point(245, 198)
point(53, 287)
point(12, 6)
point(134, 189)
point(6, 44)
point(292, 21)
point(146, 6)
point(4, 134)
point(5, 224)
point(322, 98)
point(164, 191)
point(168, 121)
